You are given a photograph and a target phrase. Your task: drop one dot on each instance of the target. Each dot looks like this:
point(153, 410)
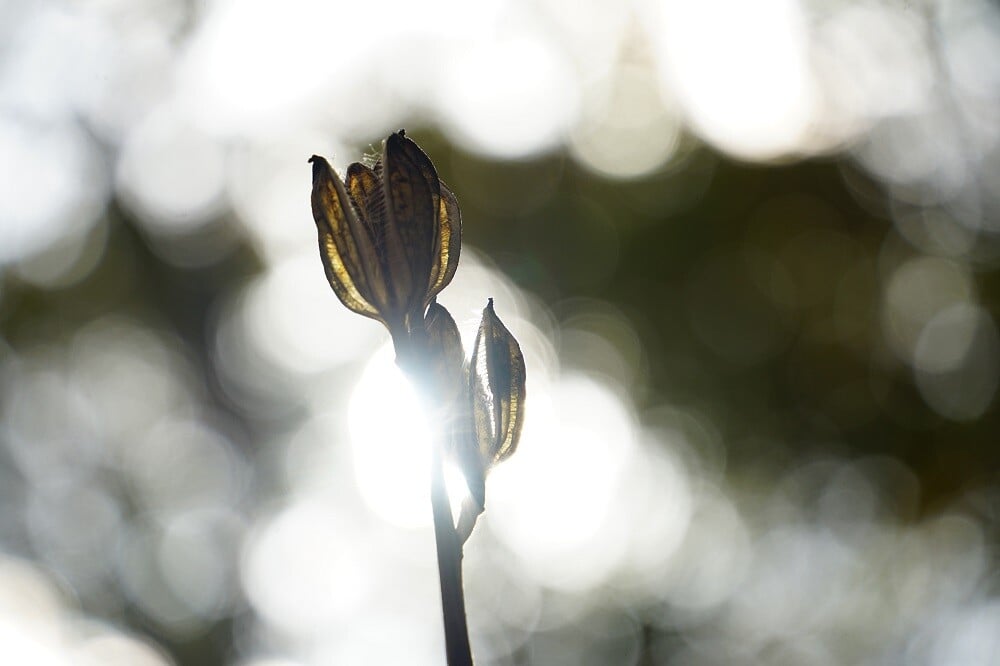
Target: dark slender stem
point(449, 547)
point(449, 556)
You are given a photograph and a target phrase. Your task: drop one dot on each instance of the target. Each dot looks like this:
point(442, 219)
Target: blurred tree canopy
point(755, 291)
point(772, 228)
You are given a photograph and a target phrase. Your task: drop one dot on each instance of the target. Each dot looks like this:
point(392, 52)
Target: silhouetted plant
point(390, 238)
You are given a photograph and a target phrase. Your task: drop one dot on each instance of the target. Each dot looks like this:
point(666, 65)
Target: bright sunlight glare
point(559, 502)
point(391, 444)
point(744, 80)
point(390, 440)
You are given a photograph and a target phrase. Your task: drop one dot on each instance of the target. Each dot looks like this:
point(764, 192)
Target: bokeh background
point(750, 251)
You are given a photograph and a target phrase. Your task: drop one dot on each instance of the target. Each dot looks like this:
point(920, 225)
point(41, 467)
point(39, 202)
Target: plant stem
point(449, 557)
point(449, 547)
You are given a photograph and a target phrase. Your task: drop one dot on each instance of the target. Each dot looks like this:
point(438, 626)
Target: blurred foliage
point(754, 289)
point(756, 292)
point(799, 351)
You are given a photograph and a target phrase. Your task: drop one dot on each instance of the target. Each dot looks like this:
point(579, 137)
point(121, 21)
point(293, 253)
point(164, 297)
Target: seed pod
point(390, 237)
point(496, 380)
point(444, 352)
point(449, 383)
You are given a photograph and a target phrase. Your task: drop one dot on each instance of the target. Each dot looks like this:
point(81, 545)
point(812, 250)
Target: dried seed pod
point(390, 237)
point(444, 350)
point(496, 377)
point(449, 383)
point(496, 400)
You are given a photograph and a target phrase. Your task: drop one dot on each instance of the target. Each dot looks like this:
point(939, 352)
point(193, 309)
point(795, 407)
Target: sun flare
point(390, 443)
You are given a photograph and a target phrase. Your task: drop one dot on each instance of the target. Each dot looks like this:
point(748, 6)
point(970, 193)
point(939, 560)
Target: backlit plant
point(390, 238)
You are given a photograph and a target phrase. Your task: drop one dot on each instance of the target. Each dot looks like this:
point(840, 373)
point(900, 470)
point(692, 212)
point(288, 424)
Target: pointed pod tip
point(319, 165)
point(396, 139)
point(399, 140)
point(357, 169)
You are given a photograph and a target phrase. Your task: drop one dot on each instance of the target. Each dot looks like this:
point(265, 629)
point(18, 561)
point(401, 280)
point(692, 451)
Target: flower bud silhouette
point(390, 236)
point(390, 239)
point(496, 376)
point(495, 411)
